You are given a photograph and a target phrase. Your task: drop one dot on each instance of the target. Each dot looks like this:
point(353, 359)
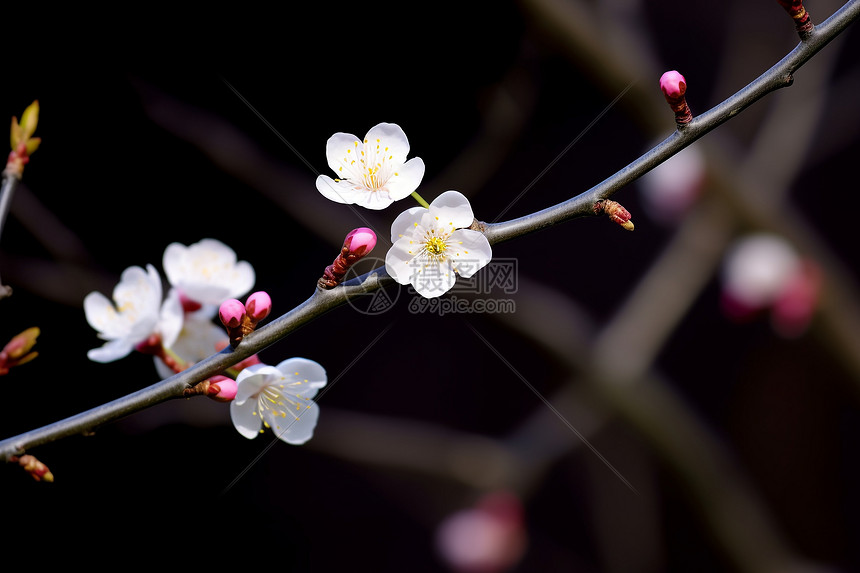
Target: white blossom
point(280, 398)
point(136, 313)
point(372, 172)
point(430, 246)
point(207, 272)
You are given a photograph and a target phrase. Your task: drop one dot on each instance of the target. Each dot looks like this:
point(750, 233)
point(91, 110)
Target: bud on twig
point(802, 22)
point(34, 467)
point(241, 319)
point(22, 140)
point(358, 243)
point(18, 350)
point(615, 211)
point(674, 86)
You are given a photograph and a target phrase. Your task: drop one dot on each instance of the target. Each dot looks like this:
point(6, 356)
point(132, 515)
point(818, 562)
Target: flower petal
point(432, 279)
point(340, 151)
point(375, 200)
point(245, 418)
point(398, 260)
point(304, 377)
point(406, 179)
point(342, 191)
point(253, 379)
point(170, 318)
point(452, 209)
point(295, 427)
point(113, 350)
point(469, 250)
point(102, 316)
point(392, 142)
point(404, 224)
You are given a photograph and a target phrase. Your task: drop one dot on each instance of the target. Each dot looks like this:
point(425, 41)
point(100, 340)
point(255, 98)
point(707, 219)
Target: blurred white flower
point(757, 268)
point(280, 398)
point(207, 272)
point(670, 189)
point(136, 313)
point(373, 172)
point(430, 246)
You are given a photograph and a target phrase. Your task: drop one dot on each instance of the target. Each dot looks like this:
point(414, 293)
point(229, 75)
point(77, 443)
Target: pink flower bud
point(357, 244)
point(487, 538)
point(673, 84)
point(258, 306)
point(221, 388)
point(360, 241)
point(231, 313)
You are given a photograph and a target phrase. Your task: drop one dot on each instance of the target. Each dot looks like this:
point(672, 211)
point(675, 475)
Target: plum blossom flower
point(489, 537)
point(431, 245)
point(756, 269)
point(280, 398)
point(136, 313)
point(207, 272)
point(764, 272)
point(372, 172)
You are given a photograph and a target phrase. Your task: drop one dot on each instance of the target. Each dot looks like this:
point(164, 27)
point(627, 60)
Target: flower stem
point(420, 200)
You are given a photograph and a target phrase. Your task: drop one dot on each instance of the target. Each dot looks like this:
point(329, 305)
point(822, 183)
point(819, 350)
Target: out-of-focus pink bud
point(258, 306)
point(221, 388)
point(231, 312)
point(487, 538)
point(795, 306)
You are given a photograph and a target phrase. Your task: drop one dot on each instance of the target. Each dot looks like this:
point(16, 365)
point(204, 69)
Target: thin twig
point(6, 193)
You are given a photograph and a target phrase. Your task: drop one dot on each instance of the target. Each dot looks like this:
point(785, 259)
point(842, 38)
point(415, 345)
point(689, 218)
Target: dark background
point(161, 129)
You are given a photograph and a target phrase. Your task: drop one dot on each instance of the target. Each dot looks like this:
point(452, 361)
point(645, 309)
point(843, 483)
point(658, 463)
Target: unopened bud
point(616, 212)
point(231, 312)
point(674, 87)
point(22, 141)
point(29, 120)
point(221, 388)
point(35, 468)
point(258, 306)
point(358, 243)
point(18, 350)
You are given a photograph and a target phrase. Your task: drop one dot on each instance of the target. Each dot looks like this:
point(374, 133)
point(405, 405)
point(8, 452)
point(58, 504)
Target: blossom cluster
point(178, 329)
point(431, 244)
point(201, 277)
